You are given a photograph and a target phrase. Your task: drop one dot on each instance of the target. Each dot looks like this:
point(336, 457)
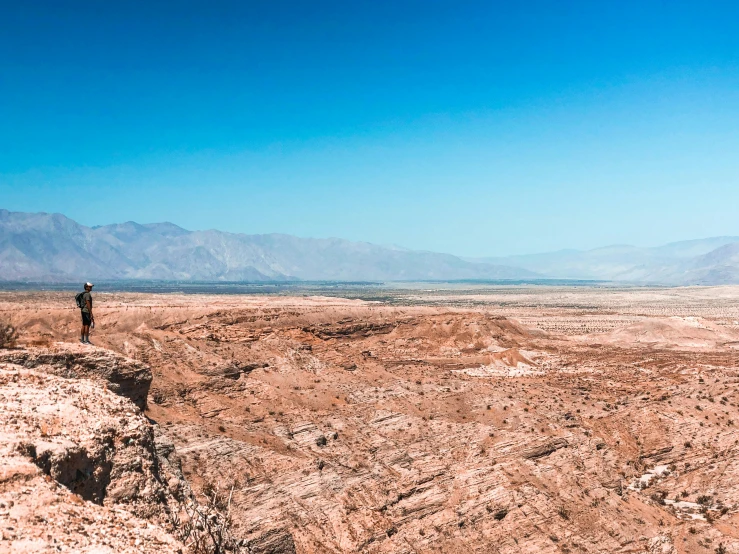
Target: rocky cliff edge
point(77, 461)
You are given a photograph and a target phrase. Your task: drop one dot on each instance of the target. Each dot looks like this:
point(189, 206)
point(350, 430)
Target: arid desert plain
point(459, 419)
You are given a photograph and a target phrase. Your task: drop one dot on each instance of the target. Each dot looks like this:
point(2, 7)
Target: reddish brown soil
point(533, 420)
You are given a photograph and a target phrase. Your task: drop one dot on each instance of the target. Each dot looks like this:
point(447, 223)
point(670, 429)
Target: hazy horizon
point(481, 129)
point(398, 246)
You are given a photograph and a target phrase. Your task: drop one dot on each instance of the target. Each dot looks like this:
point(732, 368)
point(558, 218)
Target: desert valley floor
point(519, 419)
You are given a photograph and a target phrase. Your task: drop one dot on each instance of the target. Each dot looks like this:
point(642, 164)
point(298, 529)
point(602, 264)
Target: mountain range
point(51, 247)
point(42, 247)
point(710, 261)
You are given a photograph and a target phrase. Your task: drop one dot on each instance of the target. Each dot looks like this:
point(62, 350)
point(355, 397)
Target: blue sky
point(477, 128)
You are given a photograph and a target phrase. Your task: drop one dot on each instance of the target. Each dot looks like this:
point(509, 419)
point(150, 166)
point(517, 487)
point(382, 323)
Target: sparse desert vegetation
point(552, 419)
point(8, 335)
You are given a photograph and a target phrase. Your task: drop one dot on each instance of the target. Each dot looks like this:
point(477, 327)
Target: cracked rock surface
point(76, 463)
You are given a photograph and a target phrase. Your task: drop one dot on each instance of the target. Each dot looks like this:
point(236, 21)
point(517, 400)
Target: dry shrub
point(8, 335)
point(205, 527)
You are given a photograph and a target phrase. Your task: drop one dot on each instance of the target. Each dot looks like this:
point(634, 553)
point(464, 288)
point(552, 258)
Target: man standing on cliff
point(85, 304)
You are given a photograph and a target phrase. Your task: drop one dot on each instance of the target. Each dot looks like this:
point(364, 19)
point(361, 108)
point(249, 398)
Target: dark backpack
point(80, 301)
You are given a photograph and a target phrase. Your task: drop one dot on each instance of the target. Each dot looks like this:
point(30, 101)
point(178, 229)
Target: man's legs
point(85, 336)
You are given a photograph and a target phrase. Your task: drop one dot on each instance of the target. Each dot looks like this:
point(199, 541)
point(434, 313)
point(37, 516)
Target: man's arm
point(88, 301)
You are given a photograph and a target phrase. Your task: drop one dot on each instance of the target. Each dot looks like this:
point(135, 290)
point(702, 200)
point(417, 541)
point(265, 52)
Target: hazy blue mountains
point(711, 261)
point(52, 247)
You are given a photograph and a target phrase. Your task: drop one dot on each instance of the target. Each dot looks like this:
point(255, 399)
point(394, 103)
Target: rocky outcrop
point(234, 370)
point(541, 450)
point(349, 329)
point(121, 375)
point(70, 451)
point(275, 541)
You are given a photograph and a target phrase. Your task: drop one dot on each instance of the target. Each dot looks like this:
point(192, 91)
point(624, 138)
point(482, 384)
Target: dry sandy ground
point(505, 420)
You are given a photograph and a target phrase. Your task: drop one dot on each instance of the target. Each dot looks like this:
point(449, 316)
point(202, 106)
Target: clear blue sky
point(477, 128)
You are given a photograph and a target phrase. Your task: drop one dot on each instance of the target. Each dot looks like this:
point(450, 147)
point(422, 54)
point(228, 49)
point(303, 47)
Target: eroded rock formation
point(78, 461)
point(123, 376)
point(573, 422)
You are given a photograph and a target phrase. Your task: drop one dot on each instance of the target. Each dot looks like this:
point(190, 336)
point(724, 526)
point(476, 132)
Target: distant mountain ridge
point(51, 247)
point(710, 261)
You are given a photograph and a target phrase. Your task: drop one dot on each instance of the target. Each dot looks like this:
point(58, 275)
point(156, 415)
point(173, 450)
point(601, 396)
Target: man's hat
point(88, 284)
